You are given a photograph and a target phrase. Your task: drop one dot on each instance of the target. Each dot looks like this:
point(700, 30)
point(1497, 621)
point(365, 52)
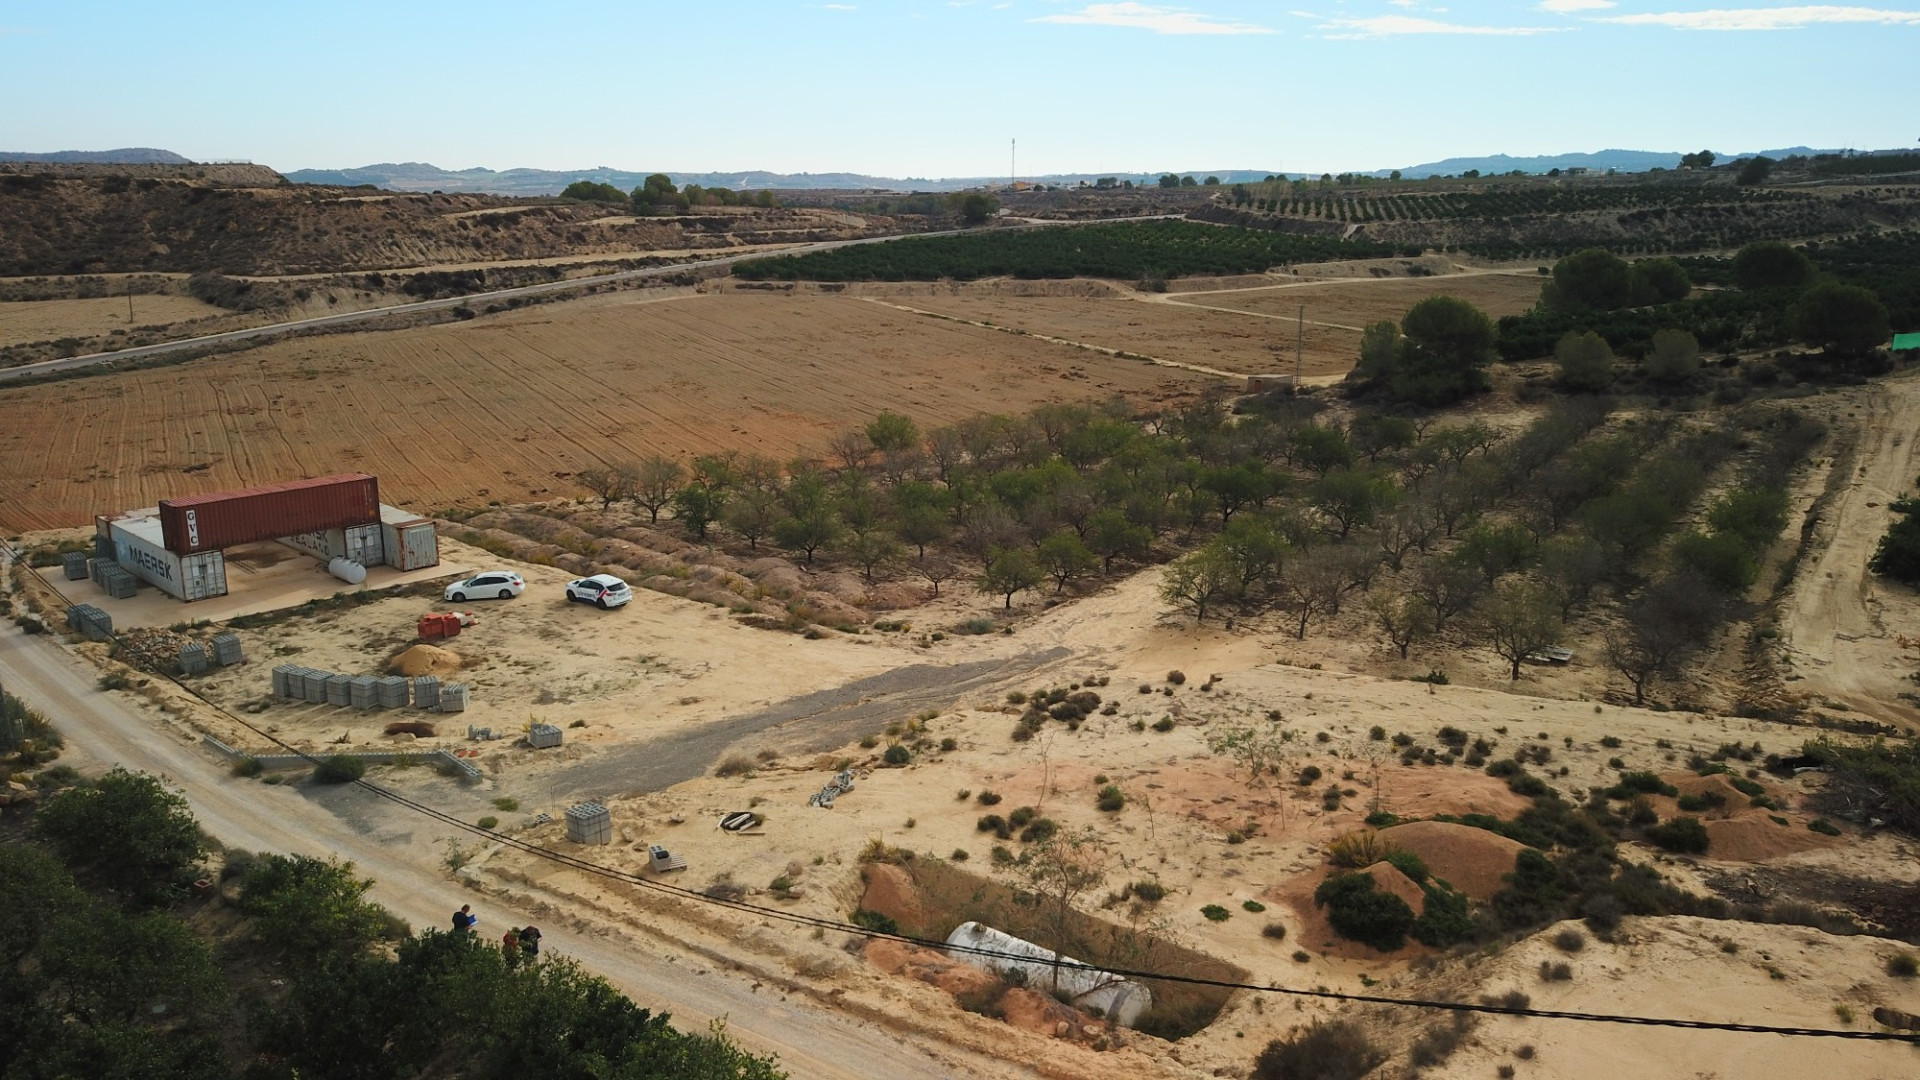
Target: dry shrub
point(1339, 1050)
point(1359, 849)
point(736, 765)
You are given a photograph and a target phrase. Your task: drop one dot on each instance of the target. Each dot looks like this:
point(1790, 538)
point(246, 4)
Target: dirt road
point(102, 729)
point(1840, 621)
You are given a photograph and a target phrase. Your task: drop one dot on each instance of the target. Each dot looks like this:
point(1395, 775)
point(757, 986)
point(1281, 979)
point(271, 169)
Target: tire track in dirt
point(1837, 616)
point(1119, 354)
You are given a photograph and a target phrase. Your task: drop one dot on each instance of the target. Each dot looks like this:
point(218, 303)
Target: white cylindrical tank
point(348, 571)
point(1118, 999)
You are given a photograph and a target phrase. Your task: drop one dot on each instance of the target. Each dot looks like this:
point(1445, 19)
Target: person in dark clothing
point(530, 941)
point(465, 919)
point(510, 947)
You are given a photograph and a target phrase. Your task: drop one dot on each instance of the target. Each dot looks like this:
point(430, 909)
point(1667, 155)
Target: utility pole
point(1013, 162)
point(129, 300)
point(1299, 347)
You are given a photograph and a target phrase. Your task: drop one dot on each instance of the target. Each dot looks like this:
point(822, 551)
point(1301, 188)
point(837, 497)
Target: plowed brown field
point(506, 406)
point(45, 320)
point(1240, 330)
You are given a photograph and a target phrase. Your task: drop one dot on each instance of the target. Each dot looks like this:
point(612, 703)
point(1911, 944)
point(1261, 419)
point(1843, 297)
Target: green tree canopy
point(1673, 357)
point(589, 191)
point(1585, 362)
point(1595, 279)
point(128, 831)
point(1755, 170)
point(1449, 343)
point(1771, 264)
point(1841, 320)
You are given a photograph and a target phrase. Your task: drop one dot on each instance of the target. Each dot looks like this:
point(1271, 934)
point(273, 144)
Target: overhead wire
point(817, 922)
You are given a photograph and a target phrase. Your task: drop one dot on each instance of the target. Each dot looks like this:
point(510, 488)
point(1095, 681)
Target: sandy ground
point(507, 406)
point(1841, 623)
point(1184, 800)
point(25, 321)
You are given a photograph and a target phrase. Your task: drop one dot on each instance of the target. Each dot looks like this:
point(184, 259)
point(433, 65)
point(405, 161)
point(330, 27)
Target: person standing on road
point(510, 947)
point(464, 919)
point(530, 942)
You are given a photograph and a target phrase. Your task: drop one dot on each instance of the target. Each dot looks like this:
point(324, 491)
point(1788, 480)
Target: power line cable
point(797, 918)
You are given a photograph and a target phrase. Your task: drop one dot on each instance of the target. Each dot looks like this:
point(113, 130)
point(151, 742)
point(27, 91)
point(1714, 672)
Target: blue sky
point(933, 88)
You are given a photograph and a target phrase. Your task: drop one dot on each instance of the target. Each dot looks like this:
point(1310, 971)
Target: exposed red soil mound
point(1474, 861)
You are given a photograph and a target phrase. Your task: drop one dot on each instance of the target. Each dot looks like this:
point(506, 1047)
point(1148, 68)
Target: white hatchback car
point(494, 584)
point(603, 589)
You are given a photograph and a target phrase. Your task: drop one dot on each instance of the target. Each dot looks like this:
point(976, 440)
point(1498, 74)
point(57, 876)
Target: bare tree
point(609, 484)
point(1195, 582)
point(1519, 618)
point(852, 447)
point(656, 481)
point(1668, 621)
point(1057, 872)
point(935, 570)
point(1314, 584)
point(946, 449)
point(1405, 618)
point(1449, 588)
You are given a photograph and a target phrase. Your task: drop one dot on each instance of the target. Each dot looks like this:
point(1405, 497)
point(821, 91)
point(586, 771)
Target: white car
point(494, 584)
point(602, 589)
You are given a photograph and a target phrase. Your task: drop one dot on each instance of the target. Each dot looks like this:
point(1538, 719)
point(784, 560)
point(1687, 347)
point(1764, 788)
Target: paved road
point(102, 729)
point(346, 318)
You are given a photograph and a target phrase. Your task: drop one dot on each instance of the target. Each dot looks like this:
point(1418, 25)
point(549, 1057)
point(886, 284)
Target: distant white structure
point(1090, 988)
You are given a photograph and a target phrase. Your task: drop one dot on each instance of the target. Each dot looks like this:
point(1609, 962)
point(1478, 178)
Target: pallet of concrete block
point(313, 685)
point(453, 697)
point(74, 563)
point(542, 736)
point(226, 649)
point(193, 658)
point(360, 691)
point(90, 622)
point(589, 823)
point(114, 580)
point(426, 692)
point(390, 692)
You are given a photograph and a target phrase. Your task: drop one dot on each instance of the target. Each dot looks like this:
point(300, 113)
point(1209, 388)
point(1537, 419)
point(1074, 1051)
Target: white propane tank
point(348, 571)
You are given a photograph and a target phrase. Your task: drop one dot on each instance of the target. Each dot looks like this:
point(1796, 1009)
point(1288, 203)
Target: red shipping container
point(229, 518)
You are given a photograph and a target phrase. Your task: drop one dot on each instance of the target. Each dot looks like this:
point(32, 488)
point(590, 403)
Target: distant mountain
point(418, 176)
point(132, 155)
point(1601, 161)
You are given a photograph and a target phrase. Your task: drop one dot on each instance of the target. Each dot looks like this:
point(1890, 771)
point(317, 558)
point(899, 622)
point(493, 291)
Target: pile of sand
point(1739, 831)
point(1473, 861)
point(424, 660)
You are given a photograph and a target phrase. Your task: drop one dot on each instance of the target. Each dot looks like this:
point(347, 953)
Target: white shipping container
point(326, 545)
point(410, 540)
point(364, 546)
point(137, 546)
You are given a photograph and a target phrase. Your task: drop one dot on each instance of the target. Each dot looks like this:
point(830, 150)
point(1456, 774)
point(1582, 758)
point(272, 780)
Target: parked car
point(492, 585)
point(602, 589)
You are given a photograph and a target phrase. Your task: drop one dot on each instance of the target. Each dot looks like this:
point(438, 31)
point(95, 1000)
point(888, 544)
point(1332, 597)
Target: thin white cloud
point(840, 7)
point(1785, 18)
point(1160, 20)
point(1571, 7)
point(1379, 26)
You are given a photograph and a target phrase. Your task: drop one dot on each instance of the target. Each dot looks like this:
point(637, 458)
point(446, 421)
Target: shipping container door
point(363, 545)
point(206, 575)
point(423, 546)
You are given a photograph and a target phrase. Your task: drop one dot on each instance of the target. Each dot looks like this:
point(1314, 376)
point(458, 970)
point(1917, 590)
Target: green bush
point(1822, 825)
point(874, 921)
point(1903, 965)
point(488, 822)
point(247, 767)
point(1360, 912)
point(1254, 906)
point(1165, 723)
point(1111, 798)
point(1151, 891)
point(1683, 834)
point(339, 769)
point(988, 798)
point(1704, 801)
point(897, 755)
point(1216, 913)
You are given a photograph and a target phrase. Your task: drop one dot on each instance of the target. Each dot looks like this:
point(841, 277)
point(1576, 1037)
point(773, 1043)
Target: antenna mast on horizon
point(1013, 162)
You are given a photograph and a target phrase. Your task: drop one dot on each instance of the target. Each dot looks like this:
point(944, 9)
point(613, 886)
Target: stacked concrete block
point(453, 697)
point(390, 692)
point(313, 686)
point(193, 658)
point(102, 547)
point(75, 565)
point(283, 676)
point(340, 690)
point(589, 823)
point(360, 691)
point(113, 579)
point(542, 736)
point(90, 622)
point(226, 649)
point(426, 692)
